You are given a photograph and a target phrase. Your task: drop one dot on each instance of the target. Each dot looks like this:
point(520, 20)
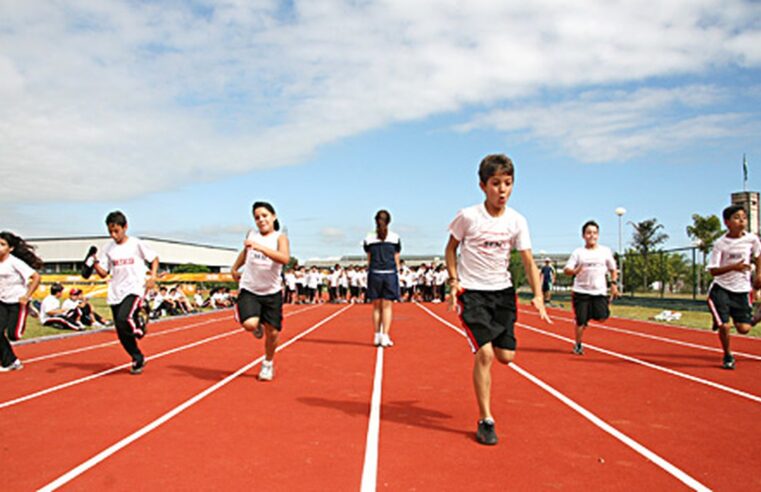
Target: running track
point(646, 407)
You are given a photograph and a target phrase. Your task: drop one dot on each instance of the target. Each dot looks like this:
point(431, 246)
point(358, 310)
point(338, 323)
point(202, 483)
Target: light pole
point(620, 211)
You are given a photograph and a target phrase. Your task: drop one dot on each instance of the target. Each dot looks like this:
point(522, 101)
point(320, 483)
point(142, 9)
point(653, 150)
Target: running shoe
point(486, 434)
point(258, 331)
point(386, 341)
point(15, 366)
point(729, 362)
point(267, 372)
point(578, 349)
point(378, 339)
point(137, 366)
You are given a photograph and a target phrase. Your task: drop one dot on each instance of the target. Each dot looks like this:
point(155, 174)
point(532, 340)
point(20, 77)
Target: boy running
point(590, 265)
point(124, 258)
point(730, 292)
point(480, 280)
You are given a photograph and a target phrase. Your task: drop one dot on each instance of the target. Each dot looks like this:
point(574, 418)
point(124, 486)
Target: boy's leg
point(271, 338)
point(482, 380)
point(125, 329)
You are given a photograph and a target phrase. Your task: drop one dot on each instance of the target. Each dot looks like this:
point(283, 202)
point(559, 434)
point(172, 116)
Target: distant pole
point(620, 211)
point(745, 173)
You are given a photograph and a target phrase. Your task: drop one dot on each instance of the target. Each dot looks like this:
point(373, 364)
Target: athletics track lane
point(429, 415)
point(46, 436)
point(303, 431)
point(59, 361)
point(701, 363)
point(708, 433)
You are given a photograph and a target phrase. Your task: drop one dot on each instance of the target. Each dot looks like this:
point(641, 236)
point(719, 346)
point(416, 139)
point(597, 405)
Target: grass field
point(34, 329)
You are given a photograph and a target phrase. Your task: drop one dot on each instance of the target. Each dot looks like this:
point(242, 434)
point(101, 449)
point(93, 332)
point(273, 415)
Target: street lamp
point(620, 211)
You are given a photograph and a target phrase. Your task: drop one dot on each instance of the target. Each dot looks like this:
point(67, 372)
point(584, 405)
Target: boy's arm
point(151, 282)
point(757, 280)
point(614, 294)
point(740, 266)
point(450, 256)
point(532, 274)
point(102, 272)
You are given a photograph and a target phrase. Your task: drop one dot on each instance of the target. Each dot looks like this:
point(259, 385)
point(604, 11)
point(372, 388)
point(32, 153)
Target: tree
point(704, 231)
point(191, 268)
point(646, 238)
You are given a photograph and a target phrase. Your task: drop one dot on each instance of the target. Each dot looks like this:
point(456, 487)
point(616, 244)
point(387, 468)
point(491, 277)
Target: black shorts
point(269, 308)
point(383, 286)
point(724, 303)
point(489, 316)
point(587, 307)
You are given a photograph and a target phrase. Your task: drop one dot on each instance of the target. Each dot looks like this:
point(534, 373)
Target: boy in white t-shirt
point(590, 265)
point(124, 258)
point(730, 292)
point(480, 280)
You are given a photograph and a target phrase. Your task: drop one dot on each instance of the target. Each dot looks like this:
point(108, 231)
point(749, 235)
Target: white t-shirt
point(595, 264)
point(261, 274)
point(70, 305)
point(485, 245)
point(14, 277)
point(50, 303)
point(290, 281)
point(126, 263)
point(727, 251)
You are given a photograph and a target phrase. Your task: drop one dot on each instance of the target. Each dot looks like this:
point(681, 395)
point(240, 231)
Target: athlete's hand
point(150, 282)
point(741, 266)
point(251, 244)
point(236, 275)
point(23, 300)
point(454, 289)
point(614, 294)
point(538, 303)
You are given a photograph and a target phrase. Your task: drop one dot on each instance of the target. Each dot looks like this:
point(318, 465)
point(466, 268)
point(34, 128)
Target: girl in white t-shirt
point(260, 299)
point(18, 281)
point(590, 266)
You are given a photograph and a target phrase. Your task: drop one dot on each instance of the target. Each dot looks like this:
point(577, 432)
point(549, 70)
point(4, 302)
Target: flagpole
point(745, 173)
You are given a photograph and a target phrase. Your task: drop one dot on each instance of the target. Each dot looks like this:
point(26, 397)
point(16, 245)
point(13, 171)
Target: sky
point(183, 113)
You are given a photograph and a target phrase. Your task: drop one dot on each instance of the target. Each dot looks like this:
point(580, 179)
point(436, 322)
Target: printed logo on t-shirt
point(124, 261)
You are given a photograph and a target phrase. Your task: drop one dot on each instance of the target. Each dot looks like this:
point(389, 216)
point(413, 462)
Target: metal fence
point(669, 273)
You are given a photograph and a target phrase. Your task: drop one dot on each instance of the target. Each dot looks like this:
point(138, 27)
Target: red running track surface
point(659, 387)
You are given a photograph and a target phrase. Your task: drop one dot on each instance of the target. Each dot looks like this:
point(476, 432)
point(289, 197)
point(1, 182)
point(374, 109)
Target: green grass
point(34, 329)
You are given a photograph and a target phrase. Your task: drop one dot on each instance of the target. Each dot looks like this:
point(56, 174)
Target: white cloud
point(141, 97)
point(602, 126)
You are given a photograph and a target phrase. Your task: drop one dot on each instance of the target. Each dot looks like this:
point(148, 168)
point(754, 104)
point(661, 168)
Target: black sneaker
point(486, 434)
point(578, 349)
point(137, 367)
point(729, 362)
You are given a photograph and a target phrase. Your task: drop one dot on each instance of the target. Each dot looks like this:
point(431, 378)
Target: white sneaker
point(378, 339)
point(386, 341)
point(267, 371)
point(15, 366)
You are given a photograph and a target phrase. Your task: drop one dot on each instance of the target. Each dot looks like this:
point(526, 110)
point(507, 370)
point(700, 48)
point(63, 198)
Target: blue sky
point(184, 113)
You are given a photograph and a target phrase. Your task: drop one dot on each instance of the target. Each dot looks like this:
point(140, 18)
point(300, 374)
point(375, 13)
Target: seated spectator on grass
point(199, 301)
point(86, 314)
point(53, 315)
point(181, 303)
point(162, 304)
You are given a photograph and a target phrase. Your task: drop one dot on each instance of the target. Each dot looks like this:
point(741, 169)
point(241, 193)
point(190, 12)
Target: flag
point(745, 169)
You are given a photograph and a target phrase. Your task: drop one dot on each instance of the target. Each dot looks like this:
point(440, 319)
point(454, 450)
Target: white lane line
point(106, 453)
point(97, 375)
point(651, 337)
point(370, 467)
point(641, 362)
point(149, 335)
point(604, 426)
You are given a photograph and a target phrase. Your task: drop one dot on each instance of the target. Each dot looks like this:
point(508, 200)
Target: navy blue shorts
point(383, 286)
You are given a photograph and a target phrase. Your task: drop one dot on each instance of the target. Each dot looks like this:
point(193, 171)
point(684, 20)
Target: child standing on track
point(480, 280)
point(730, 291)
point(18, 281)
point(383, 249)
point(590, 265)
point(124, 257)
point(260, 301)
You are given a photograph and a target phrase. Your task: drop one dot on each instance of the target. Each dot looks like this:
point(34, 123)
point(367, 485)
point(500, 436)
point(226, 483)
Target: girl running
point(383, 249)
point(260, 300)
point(18, 281)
